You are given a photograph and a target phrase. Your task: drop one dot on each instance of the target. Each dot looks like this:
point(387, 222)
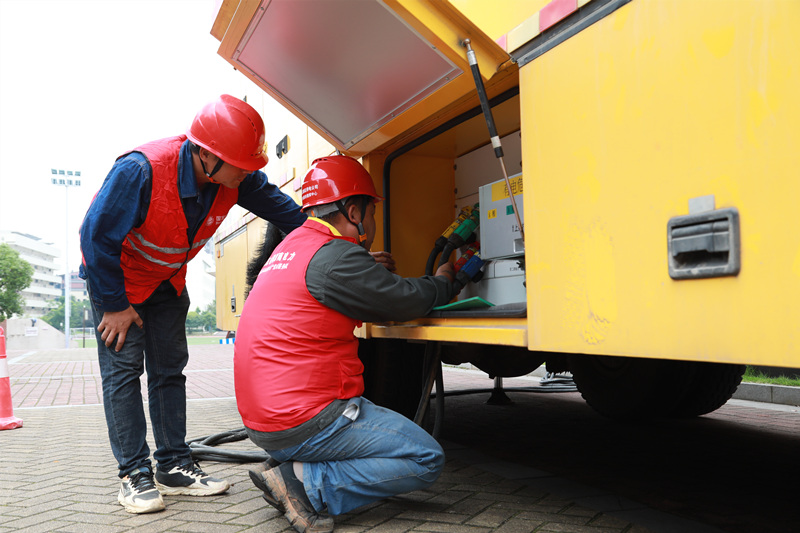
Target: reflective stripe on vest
point(181, 252)
point(152, 259)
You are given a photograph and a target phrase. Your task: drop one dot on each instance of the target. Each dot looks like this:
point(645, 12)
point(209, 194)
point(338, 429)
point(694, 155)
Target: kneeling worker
point(296, 367)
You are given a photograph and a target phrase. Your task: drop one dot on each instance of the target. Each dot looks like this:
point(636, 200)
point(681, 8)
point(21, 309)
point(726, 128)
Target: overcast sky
point(83, 81)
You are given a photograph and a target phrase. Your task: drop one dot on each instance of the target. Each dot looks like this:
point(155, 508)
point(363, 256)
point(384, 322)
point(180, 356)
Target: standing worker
point(296, 367)
point(156, 209)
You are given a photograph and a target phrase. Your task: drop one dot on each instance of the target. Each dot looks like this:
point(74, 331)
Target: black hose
point(446, 253)
point(220, 438)
point(429, 266)
point(202, 448)
point(201, 452)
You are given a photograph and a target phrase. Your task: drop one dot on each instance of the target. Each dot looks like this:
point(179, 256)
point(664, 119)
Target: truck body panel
point(623, 124)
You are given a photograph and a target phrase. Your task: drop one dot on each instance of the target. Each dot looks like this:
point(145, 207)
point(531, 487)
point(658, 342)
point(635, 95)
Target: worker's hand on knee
point(115, 325)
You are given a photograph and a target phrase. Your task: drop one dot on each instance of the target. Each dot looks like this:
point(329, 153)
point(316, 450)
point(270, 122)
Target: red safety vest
point(293, 356)
point(159, 249)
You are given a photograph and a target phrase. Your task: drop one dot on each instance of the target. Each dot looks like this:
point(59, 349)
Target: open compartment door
point(358, 72)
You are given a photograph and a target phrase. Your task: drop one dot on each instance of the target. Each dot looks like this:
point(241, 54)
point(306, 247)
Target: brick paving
point(57, 473)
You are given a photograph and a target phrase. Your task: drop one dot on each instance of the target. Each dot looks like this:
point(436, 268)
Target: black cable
point(219, 438)
point(430, 265)
point(446, 253)
point(202, 448)
point(201, 452)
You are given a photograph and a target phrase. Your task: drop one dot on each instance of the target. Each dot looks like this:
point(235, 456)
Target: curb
point(765, 393)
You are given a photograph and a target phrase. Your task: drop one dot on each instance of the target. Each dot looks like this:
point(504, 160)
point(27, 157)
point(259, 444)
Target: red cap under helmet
point(334, 178)
point(232, 130)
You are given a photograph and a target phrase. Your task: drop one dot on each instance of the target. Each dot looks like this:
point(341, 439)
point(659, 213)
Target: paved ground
point(57, 472)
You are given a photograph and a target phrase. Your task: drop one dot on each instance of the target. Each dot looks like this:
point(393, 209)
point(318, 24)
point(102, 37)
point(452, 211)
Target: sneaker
point(293, 502)
point(188, 479)
point(138, 493)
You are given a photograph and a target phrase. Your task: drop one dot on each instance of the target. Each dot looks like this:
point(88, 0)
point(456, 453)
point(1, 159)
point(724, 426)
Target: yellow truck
point(651, 148)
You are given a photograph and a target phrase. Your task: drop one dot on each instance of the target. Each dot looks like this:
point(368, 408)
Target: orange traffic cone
point(7, 418)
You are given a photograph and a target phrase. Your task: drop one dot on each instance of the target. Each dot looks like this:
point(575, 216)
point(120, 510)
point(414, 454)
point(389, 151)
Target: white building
point(77, 286)
point(46, 285)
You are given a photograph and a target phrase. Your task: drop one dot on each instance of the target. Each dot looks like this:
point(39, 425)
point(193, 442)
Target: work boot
point(288, 492)
point(138, 493)
point(188, 479)
point(257, 477)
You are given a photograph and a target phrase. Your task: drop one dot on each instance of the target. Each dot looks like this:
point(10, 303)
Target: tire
point(712, 386)
point(630, 388)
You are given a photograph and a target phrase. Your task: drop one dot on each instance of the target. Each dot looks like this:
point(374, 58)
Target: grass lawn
point(191, 340)
point(752, 375)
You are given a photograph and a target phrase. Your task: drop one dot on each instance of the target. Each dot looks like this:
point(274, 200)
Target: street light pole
point(68, 179)
point(83, 325)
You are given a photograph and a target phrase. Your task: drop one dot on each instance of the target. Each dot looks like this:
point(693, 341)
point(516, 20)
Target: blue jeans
point(352, 463)
point(161, 349)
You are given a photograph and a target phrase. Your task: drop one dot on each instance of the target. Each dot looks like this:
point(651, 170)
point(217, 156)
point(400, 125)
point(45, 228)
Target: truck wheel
point(713, 385)
point(630, 388)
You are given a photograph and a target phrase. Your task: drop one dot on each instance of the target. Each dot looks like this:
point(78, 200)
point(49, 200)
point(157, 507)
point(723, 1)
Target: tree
point(209, 317)
point(55, 317)
point(202, 320)
point(193, 321)
point(16, 275)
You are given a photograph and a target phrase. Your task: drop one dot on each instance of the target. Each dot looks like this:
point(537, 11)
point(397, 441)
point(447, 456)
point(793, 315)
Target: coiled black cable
point(202, 448)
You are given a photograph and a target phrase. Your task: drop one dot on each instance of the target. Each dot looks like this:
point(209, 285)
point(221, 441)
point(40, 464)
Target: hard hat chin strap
point(362, 235)
point(214, 171)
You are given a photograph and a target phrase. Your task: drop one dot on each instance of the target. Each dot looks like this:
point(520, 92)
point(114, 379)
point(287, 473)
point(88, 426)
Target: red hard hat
point(336, 177)
point(232, 130)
